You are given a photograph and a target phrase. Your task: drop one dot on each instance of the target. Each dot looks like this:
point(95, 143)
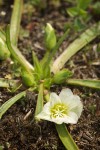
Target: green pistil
point(59, 110)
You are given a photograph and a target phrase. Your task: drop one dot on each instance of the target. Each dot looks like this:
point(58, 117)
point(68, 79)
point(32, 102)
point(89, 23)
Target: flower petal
point(65, 93)
point(71, 118)
point(43, 116)
point(74, 101)
point(45, 113)
point(58, 120)
point(46, 108)
point(71, 101)
point(54, 99)
point(78, 109)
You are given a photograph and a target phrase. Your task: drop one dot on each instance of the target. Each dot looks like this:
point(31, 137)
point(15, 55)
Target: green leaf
point(40, 4)
point(87, 83)
point(17, 54)
point(1, 147)
point(45, 64)
point(3, 35)
point(39, 105)
point(83, 4)
point(10, 102)
point(46, 71)
point(78, 25)
point(4, 52)
point(96, 8)
point(37, 65)
point(75, 46)
point(15, 21)
point(73, 11)
point(65, 137)
point(82, 12)
point(47, 82)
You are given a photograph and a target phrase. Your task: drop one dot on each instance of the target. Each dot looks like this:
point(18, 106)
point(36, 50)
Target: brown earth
point(18, 133)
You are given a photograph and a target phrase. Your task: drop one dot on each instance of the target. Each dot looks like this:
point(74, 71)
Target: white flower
point(65, 108)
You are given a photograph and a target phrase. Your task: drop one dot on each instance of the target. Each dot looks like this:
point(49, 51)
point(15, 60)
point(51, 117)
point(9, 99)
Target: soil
point(18, 132)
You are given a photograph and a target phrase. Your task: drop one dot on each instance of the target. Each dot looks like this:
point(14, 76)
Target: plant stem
point(15, 21)
point(75, 46)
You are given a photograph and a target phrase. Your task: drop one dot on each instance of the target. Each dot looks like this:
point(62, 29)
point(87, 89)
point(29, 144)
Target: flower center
point(59, 110)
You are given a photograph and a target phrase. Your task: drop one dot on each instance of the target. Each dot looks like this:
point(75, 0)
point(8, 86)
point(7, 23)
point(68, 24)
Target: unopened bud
point(62, 76)
point(50, 37)
point(28, 78)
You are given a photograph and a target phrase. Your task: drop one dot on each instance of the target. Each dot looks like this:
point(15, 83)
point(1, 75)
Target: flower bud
point(62, 76)
point(50, 37)
point(27, 78)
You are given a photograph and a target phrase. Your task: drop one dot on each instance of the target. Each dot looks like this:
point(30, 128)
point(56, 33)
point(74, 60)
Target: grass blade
point(39, 105)
point(17, 54)
point(10, 102)
point(87, 83)
point(37, 65)
point(75, 46)
point(65, 137)
point(15, 21)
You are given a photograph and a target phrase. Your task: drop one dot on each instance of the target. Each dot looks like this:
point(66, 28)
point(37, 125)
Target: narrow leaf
point(87, 83)
point(15, 21)
point(17, 54)
point(75, 46)
point(83, 4)
point(2, 35)
point(65, 137)
point(39, 105)
point(10, 102)
point(73, 11)
point(37, 65)
point(4, 52)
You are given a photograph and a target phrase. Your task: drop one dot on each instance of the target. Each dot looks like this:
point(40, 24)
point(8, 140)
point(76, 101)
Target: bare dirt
point(18, 133)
